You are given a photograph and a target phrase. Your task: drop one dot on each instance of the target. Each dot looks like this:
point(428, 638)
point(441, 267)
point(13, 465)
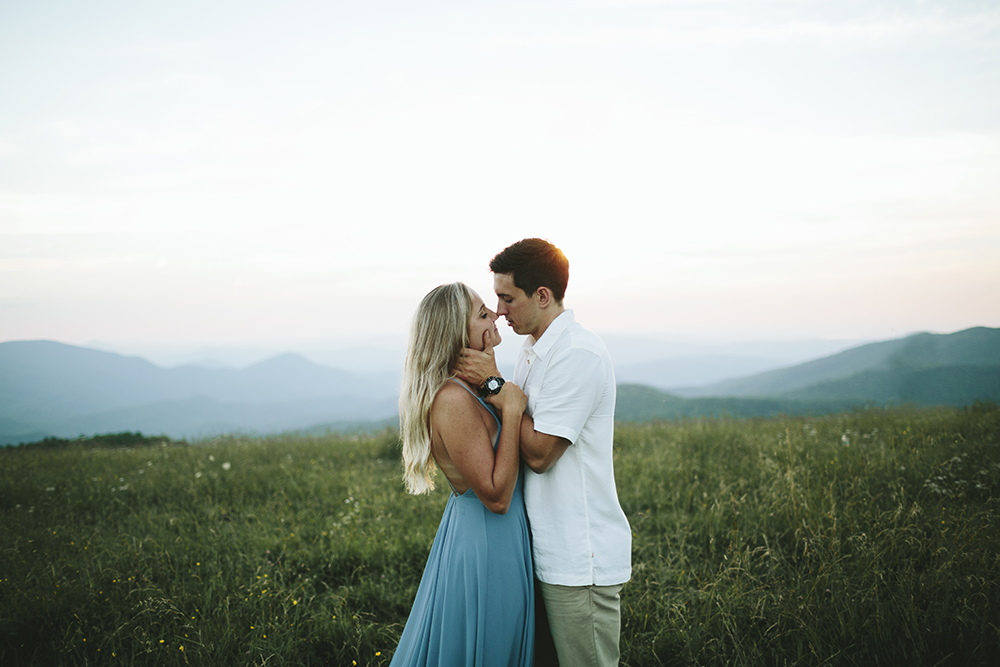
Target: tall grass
point(232, 552)
point(862, 539)
point(865, 538)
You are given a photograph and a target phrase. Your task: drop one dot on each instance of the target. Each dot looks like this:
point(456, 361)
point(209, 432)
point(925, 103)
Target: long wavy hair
point(439, 331)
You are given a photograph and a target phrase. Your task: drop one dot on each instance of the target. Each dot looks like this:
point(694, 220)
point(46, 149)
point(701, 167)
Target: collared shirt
point(580, 536)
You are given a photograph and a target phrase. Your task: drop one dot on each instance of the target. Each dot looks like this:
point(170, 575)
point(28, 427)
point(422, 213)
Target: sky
point(299, 173)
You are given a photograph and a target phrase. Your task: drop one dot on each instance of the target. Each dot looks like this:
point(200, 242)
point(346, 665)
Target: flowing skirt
point(475, 604)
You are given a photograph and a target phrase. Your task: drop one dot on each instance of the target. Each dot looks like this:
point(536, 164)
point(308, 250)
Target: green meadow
point(865, 538)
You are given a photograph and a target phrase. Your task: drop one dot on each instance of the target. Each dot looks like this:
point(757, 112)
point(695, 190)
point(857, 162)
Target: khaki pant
point(585, 622)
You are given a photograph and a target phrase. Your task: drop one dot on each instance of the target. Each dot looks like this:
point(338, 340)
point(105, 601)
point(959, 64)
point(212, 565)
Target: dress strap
point(484, 404)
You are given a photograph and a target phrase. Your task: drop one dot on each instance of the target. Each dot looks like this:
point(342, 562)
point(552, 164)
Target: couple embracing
point(533, 508)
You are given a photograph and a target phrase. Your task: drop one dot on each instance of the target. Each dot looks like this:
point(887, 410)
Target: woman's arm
point(458, 421)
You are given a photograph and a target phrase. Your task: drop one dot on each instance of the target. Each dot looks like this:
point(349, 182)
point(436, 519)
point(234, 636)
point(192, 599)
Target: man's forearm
point(540, 451)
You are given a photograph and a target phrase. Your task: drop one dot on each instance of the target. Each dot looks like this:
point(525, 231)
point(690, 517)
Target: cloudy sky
point(302, 172)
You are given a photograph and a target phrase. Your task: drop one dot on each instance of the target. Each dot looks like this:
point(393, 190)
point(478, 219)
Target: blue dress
point(475, 604)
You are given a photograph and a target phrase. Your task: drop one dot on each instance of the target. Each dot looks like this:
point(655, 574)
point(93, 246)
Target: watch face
point(491, 387)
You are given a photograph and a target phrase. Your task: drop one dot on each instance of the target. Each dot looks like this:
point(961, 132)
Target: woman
point(475, 603)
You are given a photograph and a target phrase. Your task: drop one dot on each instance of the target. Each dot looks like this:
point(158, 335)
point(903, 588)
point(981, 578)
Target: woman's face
point(482, 325)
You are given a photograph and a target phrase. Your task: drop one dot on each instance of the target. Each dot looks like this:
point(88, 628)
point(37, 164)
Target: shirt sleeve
point(570, 391)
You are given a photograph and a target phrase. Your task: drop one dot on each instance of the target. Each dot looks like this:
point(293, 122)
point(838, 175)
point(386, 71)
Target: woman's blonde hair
point(439, 331)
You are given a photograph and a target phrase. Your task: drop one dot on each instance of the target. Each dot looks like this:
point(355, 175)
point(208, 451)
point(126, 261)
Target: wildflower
point(197, 475)
point(226, 465)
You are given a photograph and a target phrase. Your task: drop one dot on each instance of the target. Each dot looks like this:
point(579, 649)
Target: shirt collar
point(543, 345)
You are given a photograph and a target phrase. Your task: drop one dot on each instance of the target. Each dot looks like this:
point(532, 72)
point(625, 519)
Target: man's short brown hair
point(534, 263)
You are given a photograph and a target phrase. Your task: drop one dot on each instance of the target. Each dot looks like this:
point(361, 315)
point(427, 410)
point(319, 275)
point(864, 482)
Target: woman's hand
point(510, 399)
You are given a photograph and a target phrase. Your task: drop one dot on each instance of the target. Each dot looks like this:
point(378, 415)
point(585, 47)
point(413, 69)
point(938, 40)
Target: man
point(581, 540)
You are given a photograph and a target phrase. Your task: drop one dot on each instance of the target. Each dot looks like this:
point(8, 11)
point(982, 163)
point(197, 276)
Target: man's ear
point(544, 297)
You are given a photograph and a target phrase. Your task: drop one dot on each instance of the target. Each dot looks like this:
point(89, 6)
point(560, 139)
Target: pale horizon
point(298, 176)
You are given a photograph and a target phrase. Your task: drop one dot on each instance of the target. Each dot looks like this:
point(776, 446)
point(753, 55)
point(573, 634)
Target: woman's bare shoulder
point(453, 394)
point(453, 404)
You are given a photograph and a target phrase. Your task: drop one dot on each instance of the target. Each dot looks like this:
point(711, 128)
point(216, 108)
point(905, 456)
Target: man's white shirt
point(580, 536)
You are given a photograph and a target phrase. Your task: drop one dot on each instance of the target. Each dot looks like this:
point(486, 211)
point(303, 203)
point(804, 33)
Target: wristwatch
point(491, 387)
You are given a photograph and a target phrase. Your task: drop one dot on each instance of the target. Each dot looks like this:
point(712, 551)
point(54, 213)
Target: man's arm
point(571, 389)
point(540, 451)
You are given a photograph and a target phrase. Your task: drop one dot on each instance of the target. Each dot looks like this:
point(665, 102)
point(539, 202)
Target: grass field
point(870, 538)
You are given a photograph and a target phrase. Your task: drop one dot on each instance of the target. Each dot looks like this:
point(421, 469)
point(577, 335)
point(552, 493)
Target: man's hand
point(474, 366)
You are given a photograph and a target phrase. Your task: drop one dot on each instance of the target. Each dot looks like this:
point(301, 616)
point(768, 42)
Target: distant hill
point(667, 364)
point(928, 369)
point(52, 389)
point(640, 403)
point(685, 371)
point(944, 385)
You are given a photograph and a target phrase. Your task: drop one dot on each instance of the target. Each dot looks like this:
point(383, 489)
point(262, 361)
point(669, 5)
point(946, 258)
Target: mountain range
point(53, 389)
point(923, 369)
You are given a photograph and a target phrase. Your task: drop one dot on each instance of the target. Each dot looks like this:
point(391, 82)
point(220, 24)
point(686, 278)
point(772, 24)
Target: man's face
point(521, 311)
